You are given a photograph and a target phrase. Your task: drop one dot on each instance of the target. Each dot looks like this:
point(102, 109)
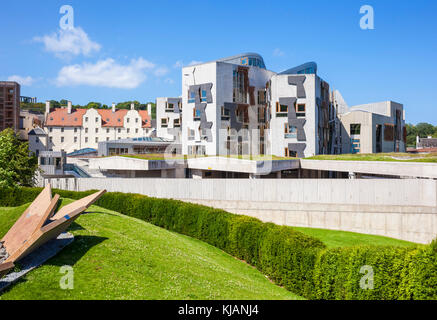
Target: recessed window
point(355, 129)
point(97, 139)
point(62, 139)
point(203, 97)
point(127, 120)
point(86, 139)
point(164, 122)
point(97, 119)
point(86, 119)
point(62, 129)
point(97, 130)
point(86, 130)
point(75, 139)
point(300, 111)
point(107, 130)
point(290, 132)
point(192, 97)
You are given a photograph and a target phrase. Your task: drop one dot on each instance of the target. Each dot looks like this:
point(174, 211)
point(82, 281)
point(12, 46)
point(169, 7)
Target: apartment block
point(9, 105)
point(72, 129)
point(169, 118)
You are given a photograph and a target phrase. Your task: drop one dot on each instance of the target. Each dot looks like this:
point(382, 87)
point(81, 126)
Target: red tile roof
point(112, 119)
point(61, 118)
point(146, 121)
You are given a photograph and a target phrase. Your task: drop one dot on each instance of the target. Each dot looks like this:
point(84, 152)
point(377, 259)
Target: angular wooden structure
point(5, 268)
point(38, 225)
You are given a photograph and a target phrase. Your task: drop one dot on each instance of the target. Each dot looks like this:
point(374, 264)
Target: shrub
point(298, 262)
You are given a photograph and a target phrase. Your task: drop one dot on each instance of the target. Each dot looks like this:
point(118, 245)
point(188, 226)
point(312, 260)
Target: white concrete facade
point(169, 118)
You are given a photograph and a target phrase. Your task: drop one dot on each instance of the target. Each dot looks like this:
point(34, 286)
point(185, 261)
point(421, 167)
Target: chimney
point(149, 110)
point(132, 106)
point(47, 107)
point(113, 107)
point(69, 107)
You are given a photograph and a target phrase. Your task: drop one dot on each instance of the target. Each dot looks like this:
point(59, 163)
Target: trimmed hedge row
point(298, 262)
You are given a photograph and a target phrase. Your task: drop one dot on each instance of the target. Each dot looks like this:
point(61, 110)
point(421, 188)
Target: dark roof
point(37, 132)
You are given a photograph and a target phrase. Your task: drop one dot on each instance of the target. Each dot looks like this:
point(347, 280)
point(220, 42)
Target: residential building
point(29, 120)
point(38, 141)
point(71, 129)
point(169, 118)
point(9, 105)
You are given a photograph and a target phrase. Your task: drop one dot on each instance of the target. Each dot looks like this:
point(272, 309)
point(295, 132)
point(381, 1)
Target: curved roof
point(238, 59)
point(306, 68)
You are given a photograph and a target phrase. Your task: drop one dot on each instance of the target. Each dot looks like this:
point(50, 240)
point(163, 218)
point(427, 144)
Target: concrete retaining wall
point(403, 209)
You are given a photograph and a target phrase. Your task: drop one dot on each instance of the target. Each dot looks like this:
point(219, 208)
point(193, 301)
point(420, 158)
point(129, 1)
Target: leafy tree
point(17, 167)
point(425, 129)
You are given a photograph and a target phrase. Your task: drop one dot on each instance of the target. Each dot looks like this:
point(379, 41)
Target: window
point(281, 110)
point(107, 138)
point(355, 129)
point(62, 139)
point(136, 120)
point(355, 146)
point(290, 153)
point(51, 130)
point(191, 134)
point(128, 130)
point(225, 114)
point(261, 97)
point(75, 130)
point(169, 107)
point(107, 130)
point(176, 123)
point(164, 123)
point(62, 129)
point(203, 96)
point(86, 139)
point(300, 111)
point(86, 119)
point(36, 140)
point(239, 86)
point(290, 132)
point(97, 119)
point(196, 114)
point(51, 139)
point(97, 139)
point(86, 130)
point(75, 139)
point(136, 130)
point(97, 130)
point(119, 130)
point(192, 97)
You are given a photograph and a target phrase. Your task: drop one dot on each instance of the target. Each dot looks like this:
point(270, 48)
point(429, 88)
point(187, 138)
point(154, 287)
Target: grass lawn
point(396, 157)
point(335, 239)
point(118, 257)
point(150, 156)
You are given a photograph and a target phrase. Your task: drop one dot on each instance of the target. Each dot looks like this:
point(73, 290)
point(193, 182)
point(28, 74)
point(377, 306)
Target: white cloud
point(105, 73)
point(169, 81)
point(161, 71)
point(24, 81)
point(72, 41)
point(278, 52)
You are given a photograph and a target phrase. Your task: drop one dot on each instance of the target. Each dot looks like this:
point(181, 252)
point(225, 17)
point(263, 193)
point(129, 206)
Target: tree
point(425, 129)
point(17, 167)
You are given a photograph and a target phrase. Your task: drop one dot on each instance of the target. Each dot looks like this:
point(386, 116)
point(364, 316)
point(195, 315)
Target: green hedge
point(298, 262)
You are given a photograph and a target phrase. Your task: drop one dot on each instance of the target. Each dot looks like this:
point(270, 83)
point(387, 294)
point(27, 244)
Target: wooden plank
point(5, 268)
point(46, 233)
point(49, 211)
point(84, 202)
point(29, 221)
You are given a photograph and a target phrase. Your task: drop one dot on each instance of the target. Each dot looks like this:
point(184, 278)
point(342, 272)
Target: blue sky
point(133, 50)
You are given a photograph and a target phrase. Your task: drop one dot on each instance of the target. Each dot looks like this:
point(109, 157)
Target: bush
point(298, 262)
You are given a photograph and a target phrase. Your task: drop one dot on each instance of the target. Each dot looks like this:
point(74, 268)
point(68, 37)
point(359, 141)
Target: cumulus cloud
point(178, 64)
point(24, 81)
point(278, 52)
point(106, 73)
point(72, 41)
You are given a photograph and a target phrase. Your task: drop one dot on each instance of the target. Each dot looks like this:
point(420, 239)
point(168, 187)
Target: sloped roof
point(37, 132)
point(61, 118)
point(112, 119)
point(146, 121)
